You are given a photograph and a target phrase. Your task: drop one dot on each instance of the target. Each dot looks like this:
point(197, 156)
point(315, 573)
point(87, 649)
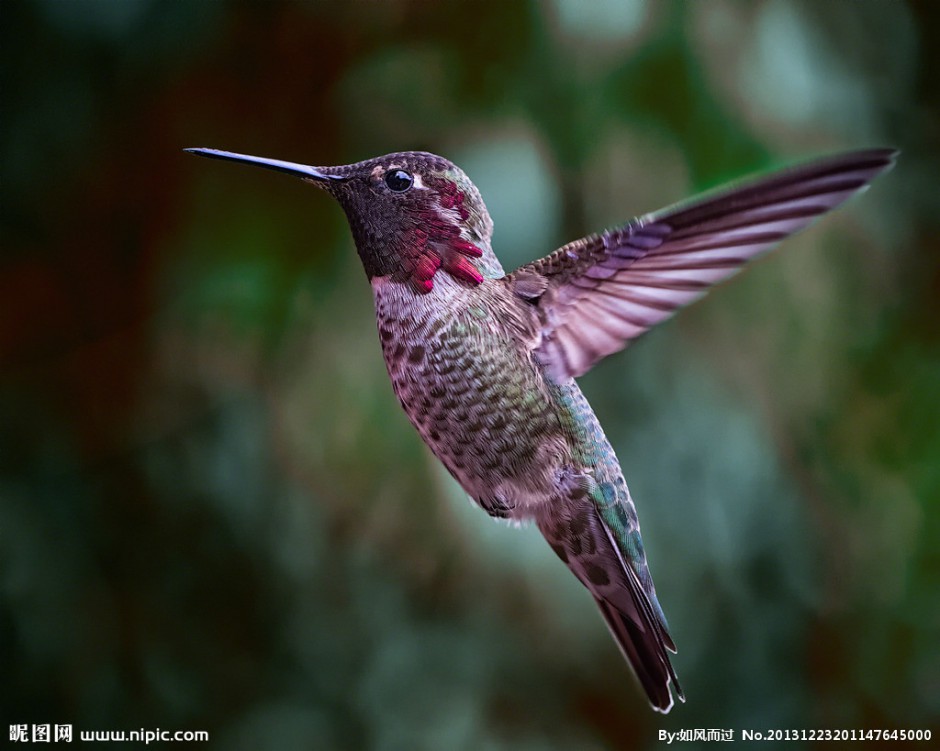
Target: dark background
point(213, 515)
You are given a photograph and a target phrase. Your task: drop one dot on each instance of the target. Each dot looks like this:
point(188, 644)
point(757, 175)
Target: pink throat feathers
point(435, 243)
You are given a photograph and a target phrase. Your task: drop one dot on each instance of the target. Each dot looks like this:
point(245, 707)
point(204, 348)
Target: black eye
point(398, 180)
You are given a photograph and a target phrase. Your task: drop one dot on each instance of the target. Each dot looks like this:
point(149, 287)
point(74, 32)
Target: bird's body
point(484, 363)
point(461, 364)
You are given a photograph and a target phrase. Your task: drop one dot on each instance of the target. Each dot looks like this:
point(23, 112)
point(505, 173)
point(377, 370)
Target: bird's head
point(412, 215)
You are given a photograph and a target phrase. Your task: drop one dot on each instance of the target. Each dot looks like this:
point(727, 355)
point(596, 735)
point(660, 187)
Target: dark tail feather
point(645, 650)
point(630, 609)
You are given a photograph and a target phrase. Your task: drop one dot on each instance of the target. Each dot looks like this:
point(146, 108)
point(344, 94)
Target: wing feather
point(601, 292)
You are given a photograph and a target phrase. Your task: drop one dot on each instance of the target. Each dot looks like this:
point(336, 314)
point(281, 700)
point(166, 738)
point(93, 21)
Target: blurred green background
point(213, 515)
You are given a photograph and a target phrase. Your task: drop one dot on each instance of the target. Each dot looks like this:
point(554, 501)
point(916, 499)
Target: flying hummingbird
point(484, 363)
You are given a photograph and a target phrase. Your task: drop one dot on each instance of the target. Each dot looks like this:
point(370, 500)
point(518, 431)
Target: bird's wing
point(594, 296)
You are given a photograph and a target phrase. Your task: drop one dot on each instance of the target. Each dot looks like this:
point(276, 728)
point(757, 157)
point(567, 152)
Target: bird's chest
point(437, 356)
point(471, 391)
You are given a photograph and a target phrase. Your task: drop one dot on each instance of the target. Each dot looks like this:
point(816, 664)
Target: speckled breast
point(473, 392)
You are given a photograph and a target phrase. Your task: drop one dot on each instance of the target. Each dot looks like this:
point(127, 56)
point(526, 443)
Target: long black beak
point(291, 168)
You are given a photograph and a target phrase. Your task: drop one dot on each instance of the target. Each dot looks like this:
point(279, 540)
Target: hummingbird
point(484, 362)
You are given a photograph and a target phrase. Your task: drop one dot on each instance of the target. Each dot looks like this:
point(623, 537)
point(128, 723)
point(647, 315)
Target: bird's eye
point(398, 180)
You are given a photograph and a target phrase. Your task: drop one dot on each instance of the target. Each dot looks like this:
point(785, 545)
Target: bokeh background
point(213, 515)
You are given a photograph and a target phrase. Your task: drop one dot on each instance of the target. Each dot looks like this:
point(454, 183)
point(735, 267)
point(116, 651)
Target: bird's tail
point(587, 546)
point(646, 648)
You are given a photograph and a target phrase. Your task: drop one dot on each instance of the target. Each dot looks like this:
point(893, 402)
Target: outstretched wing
point(595, 295)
